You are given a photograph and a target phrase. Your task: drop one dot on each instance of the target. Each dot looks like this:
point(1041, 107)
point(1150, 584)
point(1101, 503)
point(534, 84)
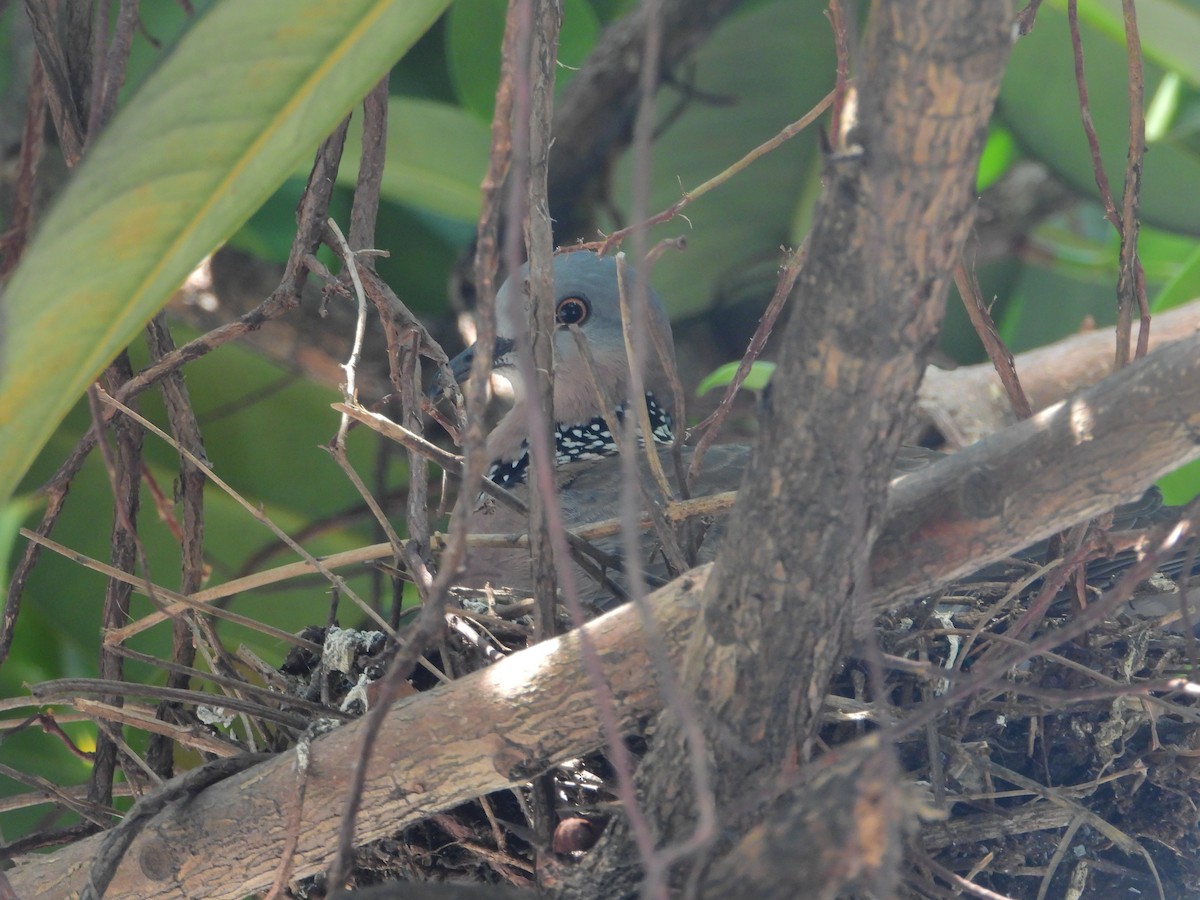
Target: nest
point(1072, 772)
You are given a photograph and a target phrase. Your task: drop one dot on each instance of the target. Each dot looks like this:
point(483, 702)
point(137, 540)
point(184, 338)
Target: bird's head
point(587, 296)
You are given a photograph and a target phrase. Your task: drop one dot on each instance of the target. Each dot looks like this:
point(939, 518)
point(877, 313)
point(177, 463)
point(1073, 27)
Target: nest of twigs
point(1071, 775)
point(1074, 769)
point(1071, 769)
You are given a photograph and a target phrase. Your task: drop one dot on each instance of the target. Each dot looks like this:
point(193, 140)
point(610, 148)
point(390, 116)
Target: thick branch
point(969, 403)
point(844, 811)
point(1063, 464)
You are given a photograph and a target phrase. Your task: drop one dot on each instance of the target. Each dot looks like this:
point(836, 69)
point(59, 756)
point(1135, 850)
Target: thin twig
point(1085, 112)
point(274, 693)
point(1131, 284)
point(187, 632)
point(21, 215)
point(255, 513)
point(350, 389)
point(337, 448)
point(841, 42)
point(1027, 16)
point(146, 720)
point(665, 350)
point(985, 328)
point(711, 426)
point(528, 207)
point(181, 602)
point(99, 814)
point(430, 620)
point(109, 74)
point(617, 237)
point(655, 860)
point(634, 323)
point(67, 690)
point(124, 468)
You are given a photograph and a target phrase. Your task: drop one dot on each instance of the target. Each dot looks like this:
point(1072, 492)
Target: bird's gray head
point(586, 294)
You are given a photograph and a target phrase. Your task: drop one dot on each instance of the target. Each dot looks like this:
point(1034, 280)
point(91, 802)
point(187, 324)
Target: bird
point(586, 295)
point(587, 466)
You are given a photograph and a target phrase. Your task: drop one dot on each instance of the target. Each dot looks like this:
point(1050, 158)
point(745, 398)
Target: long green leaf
point(437, 155)
point(1168, 30)
point(245, 96)
point(1039, 101)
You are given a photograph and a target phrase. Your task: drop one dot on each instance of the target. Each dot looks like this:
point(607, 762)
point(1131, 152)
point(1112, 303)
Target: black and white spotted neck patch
point(587, 440)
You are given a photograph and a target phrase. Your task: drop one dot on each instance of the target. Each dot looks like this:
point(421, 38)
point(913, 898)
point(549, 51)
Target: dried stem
point(1131, 281)
point(617, 237)
point(985, 327)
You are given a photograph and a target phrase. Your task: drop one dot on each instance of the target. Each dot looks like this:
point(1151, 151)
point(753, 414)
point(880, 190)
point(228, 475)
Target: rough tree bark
point(969, 403)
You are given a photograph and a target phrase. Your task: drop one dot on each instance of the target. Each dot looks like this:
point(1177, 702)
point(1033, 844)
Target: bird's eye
point(572, 311)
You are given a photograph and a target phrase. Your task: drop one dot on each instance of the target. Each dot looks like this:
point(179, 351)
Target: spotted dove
point(587, 465)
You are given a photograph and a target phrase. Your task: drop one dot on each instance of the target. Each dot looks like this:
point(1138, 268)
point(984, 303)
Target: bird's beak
point(460, 366)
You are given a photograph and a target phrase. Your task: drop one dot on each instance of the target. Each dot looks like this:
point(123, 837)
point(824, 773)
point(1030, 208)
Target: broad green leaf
point(1040, 103)
point(763, 69)
point(247, 94)
point(760, 374)
point(1168, 30)
point(474, 33)
point(436, 157)
point(1185, 286)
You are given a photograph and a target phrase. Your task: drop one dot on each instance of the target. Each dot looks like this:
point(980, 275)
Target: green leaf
point(1185, 286)
point(999, 153)
point(248, 93)
point(475, 32)
point(760, 374)
point(1040, 103)
point(1182, 485)
point(1168, 30)
point(437, 155)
